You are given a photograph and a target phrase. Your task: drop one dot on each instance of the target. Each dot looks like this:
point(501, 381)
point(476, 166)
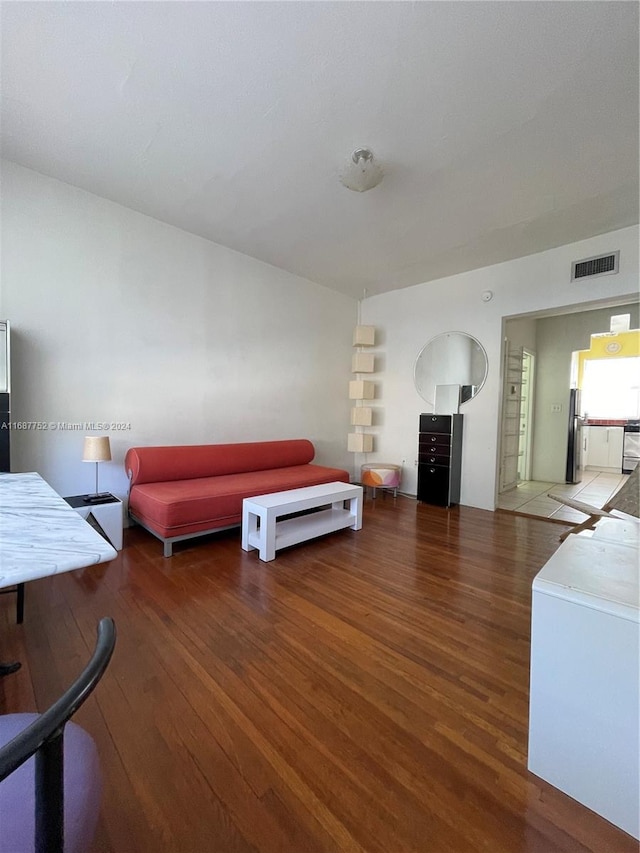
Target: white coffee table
point(262, 531)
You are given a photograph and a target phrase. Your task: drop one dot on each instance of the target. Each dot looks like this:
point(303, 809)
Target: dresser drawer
point(434, 443)
point(427, 458)
point(435, 423)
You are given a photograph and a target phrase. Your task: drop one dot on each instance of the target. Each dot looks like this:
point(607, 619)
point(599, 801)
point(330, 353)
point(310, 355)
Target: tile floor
point(531, 498)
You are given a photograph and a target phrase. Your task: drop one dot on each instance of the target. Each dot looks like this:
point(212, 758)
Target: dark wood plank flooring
point(363, 692)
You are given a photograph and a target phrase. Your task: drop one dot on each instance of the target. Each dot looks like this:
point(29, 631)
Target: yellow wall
point(628, 342)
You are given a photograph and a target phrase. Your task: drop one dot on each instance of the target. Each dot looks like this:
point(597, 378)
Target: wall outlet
point(556, 407)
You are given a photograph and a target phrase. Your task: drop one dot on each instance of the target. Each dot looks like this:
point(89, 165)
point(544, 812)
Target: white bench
point(262, 531)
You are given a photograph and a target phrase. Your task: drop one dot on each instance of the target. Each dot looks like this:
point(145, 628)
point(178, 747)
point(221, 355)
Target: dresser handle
point(434, 419)
point(432, 470)
point(433, 438)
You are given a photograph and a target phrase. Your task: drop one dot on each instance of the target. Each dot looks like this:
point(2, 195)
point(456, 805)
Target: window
point(611, 388)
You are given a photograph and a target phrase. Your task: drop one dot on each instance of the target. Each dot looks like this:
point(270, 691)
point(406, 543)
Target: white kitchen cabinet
point(602, 448)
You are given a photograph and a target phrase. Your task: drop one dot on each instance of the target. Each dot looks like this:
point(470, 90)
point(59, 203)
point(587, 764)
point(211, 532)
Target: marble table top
point(40, 534)
point(596, 572)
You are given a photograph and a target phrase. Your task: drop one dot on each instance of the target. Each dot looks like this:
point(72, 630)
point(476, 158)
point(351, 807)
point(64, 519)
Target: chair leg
point(49, 801)
point(20, 604)
point(589, 524)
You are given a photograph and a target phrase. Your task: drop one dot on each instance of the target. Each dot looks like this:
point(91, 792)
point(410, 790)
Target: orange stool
point(381, 475)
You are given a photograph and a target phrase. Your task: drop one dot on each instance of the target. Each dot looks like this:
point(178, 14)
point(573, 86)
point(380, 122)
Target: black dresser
point(439, 459)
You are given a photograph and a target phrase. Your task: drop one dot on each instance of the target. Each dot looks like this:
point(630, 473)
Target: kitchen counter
point(607, 422)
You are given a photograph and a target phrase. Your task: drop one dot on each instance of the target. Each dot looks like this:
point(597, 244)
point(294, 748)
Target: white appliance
point(631, 447)
point(584, 720)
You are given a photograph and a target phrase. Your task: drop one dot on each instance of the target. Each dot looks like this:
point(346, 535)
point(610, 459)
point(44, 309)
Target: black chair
point(50, 781)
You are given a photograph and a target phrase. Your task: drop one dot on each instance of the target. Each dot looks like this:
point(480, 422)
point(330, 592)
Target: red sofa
point(189, 490)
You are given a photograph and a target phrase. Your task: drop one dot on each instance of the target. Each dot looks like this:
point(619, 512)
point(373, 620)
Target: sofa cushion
point(188, 462)
point(175, 508)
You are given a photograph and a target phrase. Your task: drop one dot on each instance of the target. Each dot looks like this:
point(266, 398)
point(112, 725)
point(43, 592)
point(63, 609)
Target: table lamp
point(96, 449)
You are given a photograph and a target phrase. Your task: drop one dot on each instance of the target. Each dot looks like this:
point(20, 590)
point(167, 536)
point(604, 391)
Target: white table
point(40, 535)
point(625, 530)
point(262, 531)
point(584, 719)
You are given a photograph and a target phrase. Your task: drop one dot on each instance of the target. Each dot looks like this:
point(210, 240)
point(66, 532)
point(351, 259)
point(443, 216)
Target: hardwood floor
point(363, 692)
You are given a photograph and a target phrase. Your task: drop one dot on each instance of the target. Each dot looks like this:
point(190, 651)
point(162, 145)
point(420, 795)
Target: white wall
point(521, 333)
point(408, 318)
point(117, 317)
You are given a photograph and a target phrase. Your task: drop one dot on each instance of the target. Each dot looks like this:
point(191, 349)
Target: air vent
point(590, 267)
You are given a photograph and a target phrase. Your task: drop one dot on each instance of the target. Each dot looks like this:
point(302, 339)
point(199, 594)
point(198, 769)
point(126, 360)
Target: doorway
point(516, 436)
point(525, 446)
point(546, 340)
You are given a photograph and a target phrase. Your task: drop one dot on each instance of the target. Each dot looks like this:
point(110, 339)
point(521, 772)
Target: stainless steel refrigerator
point(574, 438)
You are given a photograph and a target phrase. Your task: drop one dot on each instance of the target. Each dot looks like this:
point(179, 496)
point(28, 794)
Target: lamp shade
point(96, 449)
point(359, 442)
point(361, 389)
point(364, 336)
point(361, 416)
point(363, 362)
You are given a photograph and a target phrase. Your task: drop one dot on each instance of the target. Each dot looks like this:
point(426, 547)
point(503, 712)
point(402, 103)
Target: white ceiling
point(504, 128)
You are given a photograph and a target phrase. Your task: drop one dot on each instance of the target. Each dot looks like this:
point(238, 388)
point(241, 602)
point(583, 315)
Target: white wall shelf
point(362, 390)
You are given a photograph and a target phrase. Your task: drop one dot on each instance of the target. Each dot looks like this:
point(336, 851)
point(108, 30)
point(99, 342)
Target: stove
point(631, 446)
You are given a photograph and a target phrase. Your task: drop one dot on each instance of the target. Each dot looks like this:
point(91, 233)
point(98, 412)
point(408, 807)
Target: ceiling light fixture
point(361, 173)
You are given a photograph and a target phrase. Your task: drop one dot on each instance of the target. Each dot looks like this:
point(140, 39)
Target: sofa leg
point(168, 548)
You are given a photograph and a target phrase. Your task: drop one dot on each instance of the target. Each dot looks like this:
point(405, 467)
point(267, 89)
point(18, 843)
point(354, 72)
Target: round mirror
point(449, 370)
